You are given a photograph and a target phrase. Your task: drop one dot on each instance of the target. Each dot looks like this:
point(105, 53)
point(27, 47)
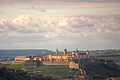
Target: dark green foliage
point(41, 77)
point(59, 71)
point(104, 60)
point(10, 74)
point(53, 70)
point(101, 71)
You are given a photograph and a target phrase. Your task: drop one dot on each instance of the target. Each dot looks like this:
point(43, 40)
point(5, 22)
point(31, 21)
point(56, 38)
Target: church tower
point(65, 51)
point(87, 52)
point(76, 52)
point(57, 51)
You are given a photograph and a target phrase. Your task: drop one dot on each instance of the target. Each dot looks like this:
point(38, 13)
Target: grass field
point(12, 66)
point(55, 71)
point(63, 71)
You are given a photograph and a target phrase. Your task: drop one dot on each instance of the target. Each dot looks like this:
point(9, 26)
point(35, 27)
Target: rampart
point(18, 61)
point(5, 61)
point(42, 63)
point(55, 63)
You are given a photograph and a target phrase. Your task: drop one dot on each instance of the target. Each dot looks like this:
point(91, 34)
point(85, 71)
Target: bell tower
point(76, 51)
point(57, 51)
point(65, 51)
point(87, 52)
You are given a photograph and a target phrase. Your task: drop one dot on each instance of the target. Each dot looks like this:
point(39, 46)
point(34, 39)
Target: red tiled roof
point(37, 56)
point(62, 54)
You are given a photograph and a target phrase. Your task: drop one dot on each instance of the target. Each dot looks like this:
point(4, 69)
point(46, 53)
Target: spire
point(65, 51)
point(57, 51)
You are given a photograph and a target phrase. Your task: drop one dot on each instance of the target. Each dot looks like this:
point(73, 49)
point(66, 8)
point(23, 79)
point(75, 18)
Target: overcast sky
point(59, 24)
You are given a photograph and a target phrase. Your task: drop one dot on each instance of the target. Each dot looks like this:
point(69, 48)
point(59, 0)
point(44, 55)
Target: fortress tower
point(65, 51)
point(76, 51)
point(87, 52)
point(57, 51)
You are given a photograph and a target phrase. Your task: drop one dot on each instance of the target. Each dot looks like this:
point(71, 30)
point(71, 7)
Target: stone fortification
point(18, 61)
point(42, 63)
point(5, 61)
point(55, 63)
point(74, 65)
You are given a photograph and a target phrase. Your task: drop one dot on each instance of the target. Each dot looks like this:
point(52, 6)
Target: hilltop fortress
point(58, 56)
point(65, 56)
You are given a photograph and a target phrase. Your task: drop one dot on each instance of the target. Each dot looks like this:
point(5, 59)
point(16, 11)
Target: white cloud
point(72, 30)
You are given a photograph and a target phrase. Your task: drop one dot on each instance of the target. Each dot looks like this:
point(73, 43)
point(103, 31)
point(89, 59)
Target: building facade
point(40, 58)
point(60, 56)
point(22, 58)
point(65, 56)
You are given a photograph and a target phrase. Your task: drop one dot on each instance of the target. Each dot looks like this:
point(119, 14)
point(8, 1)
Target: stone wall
point(18, 61)
point(55, 63)
point(74, 65)
point(5, 61)
point(42, 63)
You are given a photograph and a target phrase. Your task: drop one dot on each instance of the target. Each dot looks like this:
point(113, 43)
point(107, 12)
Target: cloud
point(38, 4)
point(14, 8)
point(71, 24)
point(71, 30)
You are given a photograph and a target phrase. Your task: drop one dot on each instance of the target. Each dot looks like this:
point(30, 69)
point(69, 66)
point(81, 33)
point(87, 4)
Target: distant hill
point(9, 54)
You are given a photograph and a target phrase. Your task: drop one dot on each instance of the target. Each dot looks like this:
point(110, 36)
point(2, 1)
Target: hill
point(9, 54)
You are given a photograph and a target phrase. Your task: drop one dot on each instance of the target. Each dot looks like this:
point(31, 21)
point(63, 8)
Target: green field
point(12, 66)
point(63, 71)
point(55, 71)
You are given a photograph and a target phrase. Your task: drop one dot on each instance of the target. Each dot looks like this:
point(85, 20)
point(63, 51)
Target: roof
point(37, 57)
point(61, 54)
point(45, 56)
point(20, 56)
point(28, 57)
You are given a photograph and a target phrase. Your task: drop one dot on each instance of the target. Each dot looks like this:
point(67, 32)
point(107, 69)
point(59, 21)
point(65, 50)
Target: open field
point(12, 66)
point(55, 71)
point(63, 71)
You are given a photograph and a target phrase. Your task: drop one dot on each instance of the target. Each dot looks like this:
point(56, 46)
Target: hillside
point(9, 54)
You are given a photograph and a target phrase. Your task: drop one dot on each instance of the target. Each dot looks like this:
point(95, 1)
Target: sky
point(60, 24)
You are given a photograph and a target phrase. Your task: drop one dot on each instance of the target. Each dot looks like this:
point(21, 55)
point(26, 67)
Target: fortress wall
point(42, 63)
point(5, 62)
point(55, 63)
point(18, 61)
